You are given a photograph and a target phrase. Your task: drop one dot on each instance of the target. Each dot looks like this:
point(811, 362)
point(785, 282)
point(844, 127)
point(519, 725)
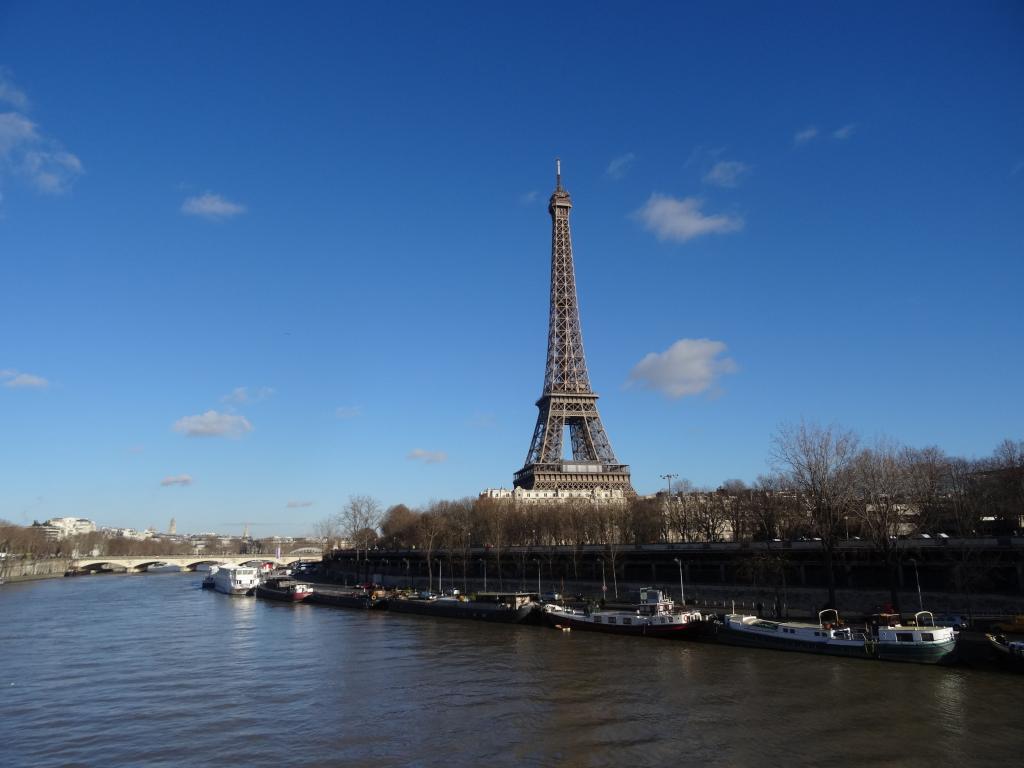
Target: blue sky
point(782, 211)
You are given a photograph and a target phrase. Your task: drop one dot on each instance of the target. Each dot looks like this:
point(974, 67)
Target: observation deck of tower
point(567, 400)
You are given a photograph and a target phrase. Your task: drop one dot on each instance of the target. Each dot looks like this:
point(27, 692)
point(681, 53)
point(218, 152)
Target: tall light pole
point(682, 592)
point(440, 589)
point(920, 600)
point(483, 564)
point(538, 576)
point(604, 584)
point(669, 478)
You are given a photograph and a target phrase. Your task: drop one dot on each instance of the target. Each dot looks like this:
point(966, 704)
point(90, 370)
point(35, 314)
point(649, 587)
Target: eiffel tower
point(568, 400)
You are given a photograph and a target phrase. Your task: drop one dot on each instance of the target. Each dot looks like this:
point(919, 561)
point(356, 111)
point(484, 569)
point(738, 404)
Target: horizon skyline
point(311, 259)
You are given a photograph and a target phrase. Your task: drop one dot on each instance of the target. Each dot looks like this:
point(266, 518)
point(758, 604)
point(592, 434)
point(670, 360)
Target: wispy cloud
point(688, 367)
point(528, 198)
point(298, 504)
point(28, 153)
point(845, 132)
point(10, 93)
point(348, 411)
point(211, 206)
point(177, 480)
point(680, 220)
point(807, 134)
point(620, 166)
point(427, 457)
point(242, 395)
point(726, 173)
point(213, 424)
point(19, 380)
point(482, 420)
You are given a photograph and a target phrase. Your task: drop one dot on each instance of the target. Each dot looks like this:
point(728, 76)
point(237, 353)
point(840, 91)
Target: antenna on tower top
point(558, 173)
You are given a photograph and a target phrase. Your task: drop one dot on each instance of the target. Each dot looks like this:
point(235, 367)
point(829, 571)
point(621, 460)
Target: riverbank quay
point(983, 576)
point(14, 568)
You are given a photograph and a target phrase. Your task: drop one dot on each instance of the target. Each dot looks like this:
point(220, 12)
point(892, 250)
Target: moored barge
point(283, 588)
point(505, 607)
point(654, 616)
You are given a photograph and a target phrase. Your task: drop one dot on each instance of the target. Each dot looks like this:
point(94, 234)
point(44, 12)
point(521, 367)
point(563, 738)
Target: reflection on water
point(150, 670)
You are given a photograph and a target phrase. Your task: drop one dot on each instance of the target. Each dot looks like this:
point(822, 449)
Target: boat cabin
point(923, 630)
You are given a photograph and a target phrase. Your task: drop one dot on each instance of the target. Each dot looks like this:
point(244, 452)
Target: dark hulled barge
point(504, 607)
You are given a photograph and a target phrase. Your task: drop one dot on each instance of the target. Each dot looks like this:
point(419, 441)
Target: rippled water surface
point(148, 670)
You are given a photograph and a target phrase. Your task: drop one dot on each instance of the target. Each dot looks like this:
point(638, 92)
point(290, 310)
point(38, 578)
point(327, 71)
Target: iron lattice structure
point(568, 400)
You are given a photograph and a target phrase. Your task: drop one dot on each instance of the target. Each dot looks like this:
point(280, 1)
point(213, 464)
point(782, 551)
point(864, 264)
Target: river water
point(149, 670)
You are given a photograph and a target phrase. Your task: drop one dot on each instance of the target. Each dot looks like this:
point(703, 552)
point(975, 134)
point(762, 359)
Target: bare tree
point(881, 481)
point(327, 531)
point(818, 461)
point(360, 519)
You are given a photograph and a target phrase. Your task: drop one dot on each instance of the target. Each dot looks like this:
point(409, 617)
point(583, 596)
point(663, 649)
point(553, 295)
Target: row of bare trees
point(825, 485)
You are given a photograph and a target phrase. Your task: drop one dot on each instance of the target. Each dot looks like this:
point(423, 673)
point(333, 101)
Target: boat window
point(627, 621)
point(928, 637)
point(612, 620)
point(905, 637)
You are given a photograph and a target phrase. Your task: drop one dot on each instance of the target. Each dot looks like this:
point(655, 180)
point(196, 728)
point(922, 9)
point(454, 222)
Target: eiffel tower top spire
point(566, 369)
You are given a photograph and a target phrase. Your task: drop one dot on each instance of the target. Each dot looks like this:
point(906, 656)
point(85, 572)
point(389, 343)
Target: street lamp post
point(682, 592)
point(408, 576)
point(440, 588)
point(483, 567)
point(538, 576)
point(669, 477)
point(604, 583)
point(920, 600)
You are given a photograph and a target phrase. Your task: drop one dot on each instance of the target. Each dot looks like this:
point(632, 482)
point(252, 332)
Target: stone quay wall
point(14, 568)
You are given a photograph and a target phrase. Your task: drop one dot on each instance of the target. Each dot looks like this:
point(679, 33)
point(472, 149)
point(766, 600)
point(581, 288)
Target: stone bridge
point(139, 563)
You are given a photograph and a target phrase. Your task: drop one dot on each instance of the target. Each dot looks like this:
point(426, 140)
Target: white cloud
point(27, 153)
point(688, 367)
point(211, 206)
point(242, 395)
point(620, 166)
point(845, 132)
point(802, 137)
point(18, 380)
point(726, 173)
point(427, 457)
point(682, 220)
point(15, 130)
point(298, 504)
point(348, 411)
point(177, 480)
point(10, 93)
point(528, 198)
point(213, 424)
point(483, 420)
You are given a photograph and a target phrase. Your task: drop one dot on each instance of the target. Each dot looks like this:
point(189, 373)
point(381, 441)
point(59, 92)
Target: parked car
point(957, 621)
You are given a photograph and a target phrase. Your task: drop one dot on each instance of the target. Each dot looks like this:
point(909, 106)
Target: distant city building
point(62, 527)
point(523, 496)
point(173, 527)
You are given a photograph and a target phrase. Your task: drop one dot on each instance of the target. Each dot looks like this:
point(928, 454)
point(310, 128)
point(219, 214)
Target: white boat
point(829, 636)
point(654, 616)
point(922, 641)
point(236, 579)
point(888, 640)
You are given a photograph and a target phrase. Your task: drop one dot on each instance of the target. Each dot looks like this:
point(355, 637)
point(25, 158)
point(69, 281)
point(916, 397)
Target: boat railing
point(835, 617)
point(920, 614)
